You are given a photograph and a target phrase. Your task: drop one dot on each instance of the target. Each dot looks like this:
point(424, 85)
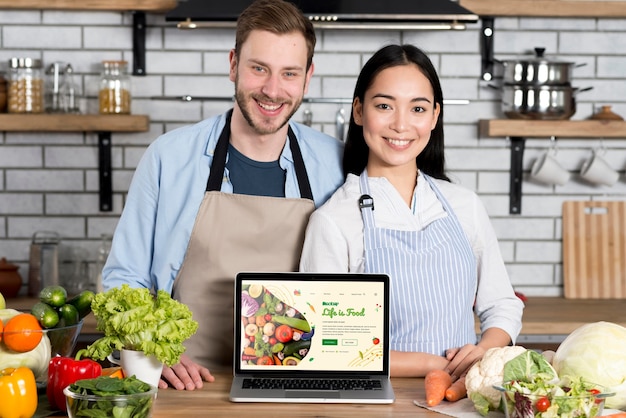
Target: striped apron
point(433, 278)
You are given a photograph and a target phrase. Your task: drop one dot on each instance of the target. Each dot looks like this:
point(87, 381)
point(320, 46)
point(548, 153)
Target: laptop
point(310, 337)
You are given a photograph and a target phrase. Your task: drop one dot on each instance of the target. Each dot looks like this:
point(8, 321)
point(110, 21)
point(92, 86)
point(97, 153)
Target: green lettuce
point(135, 319)
point(528, 367)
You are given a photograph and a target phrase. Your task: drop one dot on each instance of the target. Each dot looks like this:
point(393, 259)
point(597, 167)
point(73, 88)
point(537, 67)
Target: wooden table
point(212, 401)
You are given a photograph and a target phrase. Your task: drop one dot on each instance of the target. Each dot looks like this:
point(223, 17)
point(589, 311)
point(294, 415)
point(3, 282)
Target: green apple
point(3, 304)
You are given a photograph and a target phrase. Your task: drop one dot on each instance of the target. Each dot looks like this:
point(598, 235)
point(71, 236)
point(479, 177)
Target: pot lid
point(6, 266)
point(539, 58)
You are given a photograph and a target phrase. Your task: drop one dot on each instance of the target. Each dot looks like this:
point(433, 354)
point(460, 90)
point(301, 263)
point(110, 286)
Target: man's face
point(270, 79)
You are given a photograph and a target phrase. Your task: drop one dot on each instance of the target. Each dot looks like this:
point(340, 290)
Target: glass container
point(26, 86)
point(114, 92)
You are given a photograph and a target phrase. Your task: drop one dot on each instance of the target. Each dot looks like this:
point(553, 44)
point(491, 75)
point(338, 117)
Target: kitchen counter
point(545, 319)
point(212, 400)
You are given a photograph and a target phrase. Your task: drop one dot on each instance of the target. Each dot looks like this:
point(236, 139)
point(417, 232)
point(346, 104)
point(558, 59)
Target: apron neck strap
point(221, 150)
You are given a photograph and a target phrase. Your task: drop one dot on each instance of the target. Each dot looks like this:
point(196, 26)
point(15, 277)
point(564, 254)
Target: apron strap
point(216, 175)
point(219, 157)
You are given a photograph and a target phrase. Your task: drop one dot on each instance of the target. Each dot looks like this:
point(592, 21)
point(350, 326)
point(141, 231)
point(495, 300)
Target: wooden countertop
point(212, 400)
point(542, 316)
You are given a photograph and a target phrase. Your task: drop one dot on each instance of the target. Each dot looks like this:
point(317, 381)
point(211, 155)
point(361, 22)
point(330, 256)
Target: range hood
point(335, 14)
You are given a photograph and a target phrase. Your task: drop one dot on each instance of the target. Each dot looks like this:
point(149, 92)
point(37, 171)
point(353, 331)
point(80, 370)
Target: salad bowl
point(559, 399)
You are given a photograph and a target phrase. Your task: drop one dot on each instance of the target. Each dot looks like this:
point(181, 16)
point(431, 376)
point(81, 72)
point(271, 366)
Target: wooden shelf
point(546, 8)
point(13, 122)
point(112, 5)
point(102, 124)
point(550, 128)
point(519, 130)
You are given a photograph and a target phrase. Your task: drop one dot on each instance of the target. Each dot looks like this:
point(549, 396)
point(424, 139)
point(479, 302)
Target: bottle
point(103, 254)
point(69, 96)
point(26, 86)
point(114, 92)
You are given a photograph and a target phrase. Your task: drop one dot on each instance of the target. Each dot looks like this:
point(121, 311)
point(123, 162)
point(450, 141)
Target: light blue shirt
point(169, 183)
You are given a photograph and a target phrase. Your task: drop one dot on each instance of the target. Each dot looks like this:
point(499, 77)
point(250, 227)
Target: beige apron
point(234, 233)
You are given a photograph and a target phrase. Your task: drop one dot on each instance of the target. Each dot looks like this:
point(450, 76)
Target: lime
point(255, 290)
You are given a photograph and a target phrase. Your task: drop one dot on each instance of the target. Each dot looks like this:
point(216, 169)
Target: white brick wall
point(50, 181)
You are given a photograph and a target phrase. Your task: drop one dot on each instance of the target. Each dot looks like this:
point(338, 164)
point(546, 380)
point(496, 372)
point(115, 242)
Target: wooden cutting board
point(594, 250)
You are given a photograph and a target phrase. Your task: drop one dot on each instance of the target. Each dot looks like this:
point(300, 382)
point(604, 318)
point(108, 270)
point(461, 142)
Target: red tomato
point(283, 333)
point(543, 404)
point(265, 361)
point(595, 392)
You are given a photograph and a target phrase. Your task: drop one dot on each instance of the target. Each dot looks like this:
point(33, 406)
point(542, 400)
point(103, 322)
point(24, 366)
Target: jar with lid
point(114, 92)
point(26, 86)
point(3, 93)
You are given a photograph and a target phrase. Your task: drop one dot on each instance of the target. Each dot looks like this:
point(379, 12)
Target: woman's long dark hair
point(431, 159)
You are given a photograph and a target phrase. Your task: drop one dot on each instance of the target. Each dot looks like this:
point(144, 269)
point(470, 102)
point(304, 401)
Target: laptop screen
point(312, 322)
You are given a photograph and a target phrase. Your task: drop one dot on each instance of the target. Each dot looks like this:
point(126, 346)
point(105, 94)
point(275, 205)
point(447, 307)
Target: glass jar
point(103, 254)
point(26, 86)
point(114, 92)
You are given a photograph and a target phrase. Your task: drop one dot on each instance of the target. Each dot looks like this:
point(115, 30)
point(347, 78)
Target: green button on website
point(329, 342)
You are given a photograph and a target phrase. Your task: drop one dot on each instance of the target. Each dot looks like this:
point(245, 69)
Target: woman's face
point(398, 114)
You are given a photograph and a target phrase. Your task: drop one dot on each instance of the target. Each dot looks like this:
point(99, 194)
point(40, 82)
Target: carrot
point(436, 382)
point(616, 415)
point(457, 390)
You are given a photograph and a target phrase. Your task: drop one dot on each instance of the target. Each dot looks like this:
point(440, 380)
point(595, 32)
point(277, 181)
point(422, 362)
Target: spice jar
point(3, 94)
point(114, 92)
point(26, 86)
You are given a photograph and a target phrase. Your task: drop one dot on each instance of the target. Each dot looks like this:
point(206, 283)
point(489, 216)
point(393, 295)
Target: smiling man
point(231, 193)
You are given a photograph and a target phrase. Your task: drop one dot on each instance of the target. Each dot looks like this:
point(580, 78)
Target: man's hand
point(186, 375)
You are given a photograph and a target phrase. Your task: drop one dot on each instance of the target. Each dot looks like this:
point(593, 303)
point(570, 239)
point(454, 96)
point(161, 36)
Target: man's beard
point(259, 127)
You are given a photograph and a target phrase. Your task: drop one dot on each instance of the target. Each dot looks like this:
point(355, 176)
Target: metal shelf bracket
point(515, 186)
point(486, 48)
point(139, 43)
point(105, 172)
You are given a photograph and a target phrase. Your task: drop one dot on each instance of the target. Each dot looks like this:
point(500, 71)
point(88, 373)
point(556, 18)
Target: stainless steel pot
point(538, 70)
point(540, 102)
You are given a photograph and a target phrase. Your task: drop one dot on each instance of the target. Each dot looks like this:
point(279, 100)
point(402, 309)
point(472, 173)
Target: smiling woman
point(433, 238)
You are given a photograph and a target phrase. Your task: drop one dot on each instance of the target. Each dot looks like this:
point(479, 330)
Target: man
point(231, 193)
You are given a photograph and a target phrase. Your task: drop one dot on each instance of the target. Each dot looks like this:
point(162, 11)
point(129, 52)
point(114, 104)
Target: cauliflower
point(36, 359)
point(487, 372)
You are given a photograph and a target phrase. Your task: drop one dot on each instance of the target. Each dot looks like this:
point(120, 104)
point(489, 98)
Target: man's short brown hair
point(278, 17)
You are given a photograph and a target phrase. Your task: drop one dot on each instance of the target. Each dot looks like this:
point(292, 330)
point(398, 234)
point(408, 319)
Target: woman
point(398, 213)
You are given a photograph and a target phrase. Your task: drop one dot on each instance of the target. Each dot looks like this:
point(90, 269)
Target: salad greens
point(568, 398)
point(111, 403)
point(135, 319)
point(533, 389)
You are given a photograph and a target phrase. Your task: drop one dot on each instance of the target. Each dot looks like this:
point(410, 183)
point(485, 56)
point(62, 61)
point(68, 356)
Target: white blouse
point(334, 239)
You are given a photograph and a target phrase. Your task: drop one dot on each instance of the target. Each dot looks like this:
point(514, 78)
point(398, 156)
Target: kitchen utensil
point(538, 70)
point(548, 170)
point(539, 102)
point(307, 117)
point(340, 123)
point(594, 249)
point(44, 261)
point(597, 171)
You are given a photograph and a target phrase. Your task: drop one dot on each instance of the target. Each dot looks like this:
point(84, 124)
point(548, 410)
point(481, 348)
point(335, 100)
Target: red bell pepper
point(63, 371)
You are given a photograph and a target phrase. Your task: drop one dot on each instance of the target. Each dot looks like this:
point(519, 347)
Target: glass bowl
point(59, 341)
point(521, 405)
point(138, 405)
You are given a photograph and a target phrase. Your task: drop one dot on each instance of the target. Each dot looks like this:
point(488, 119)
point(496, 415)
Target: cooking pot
point(538, 70)
point(539, 102)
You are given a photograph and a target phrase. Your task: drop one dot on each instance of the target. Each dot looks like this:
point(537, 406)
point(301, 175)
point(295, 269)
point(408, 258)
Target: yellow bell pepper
point(18, 393)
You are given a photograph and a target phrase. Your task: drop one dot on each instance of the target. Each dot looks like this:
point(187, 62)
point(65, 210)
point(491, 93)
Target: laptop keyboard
point(311, 384)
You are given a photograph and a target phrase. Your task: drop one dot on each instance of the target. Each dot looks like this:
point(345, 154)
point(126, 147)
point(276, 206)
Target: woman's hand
point(462, 358)
point(186, 375)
